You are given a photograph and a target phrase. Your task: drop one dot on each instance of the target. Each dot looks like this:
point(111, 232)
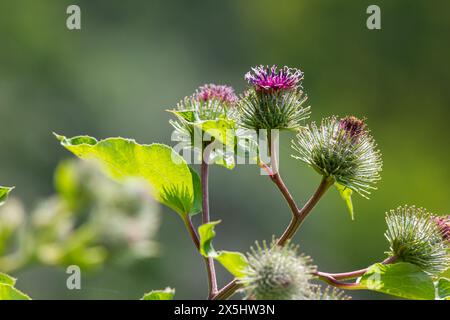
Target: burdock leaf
point(4, 191)
point(6, 279)
point(219, 129)
point(234, 262)
point(8, 292)
point(188, 115)
point(346, 195)
point(207, 233)
point(399, 279)
point(197, 185)
point(166, 171)
point(166, 294)
point(443, 289)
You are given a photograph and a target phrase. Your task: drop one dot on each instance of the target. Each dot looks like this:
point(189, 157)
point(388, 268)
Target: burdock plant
point(341, 150)
point(275, 99)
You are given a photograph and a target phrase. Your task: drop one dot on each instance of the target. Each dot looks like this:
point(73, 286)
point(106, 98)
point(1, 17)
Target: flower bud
point(221, 93)
point(415, 237)
point(209, 102)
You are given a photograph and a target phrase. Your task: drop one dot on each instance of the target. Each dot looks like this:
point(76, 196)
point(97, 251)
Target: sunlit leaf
point(166, 294)
point(219, 129)
point(207, 233)
point(346, 195)
point(7, 290)
point(443, 289)
point(234, 262)
point(197, 185)
point(187, 115)
point(401, 279)
point(6, 279)
point(4, 191)
point(165, 170)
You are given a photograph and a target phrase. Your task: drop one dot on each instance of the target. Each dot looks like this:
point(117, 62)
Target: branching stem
point(298, 216)
point(334, 279)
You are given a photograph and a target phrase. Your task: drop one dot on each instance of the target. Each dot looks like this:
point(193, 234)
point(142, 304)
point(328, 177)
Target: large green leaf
point(166, 294)
point(234, 262)
point(4, 191)
point(399, 279)
point(6, 279)
point(346, 195)
point(8, 292)
point(443, 289)
point(166, 171)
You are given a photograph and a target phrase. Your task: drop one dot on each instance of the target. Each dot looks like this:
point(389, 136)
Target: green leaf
point(221, 158)
point(445, 274)
point(8, 292)
point(399, 279)
point(187, 115)
point(4, 191)
point(223, 133)
point(166, 294)
point(222, 130)
point(443, 289)
point(206, 233)
point(197, 185)
point(346, 194)
point(234, 262)
point(5, 279)
point(165, 170)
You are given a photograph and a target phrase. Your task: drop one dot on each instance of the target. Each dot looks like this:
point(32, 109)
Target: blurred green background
point(133, 60)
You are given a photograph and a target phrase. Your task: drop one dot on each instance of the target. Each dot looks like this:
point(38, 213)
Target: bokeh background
point(133, 60)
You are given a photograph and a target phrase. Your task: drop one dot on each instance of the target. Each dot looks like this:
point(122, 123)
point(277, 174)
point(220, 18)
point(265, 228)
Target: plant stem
point(333, 278)
point(300, 215)
point(276, 178)
point(227, 291)
point(192, 232)
point(338, 284)
point(212, 280)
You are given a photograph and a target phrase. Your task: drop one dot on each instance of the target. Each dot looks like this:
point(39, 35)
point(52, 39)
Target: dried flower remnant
point(352, 126)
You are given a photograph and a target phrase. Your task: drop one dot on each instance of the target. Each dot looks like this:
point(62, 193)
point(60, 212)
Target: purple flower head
point(266, 78)
point(221, 93)
point(444, 226)
point(353, 126)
